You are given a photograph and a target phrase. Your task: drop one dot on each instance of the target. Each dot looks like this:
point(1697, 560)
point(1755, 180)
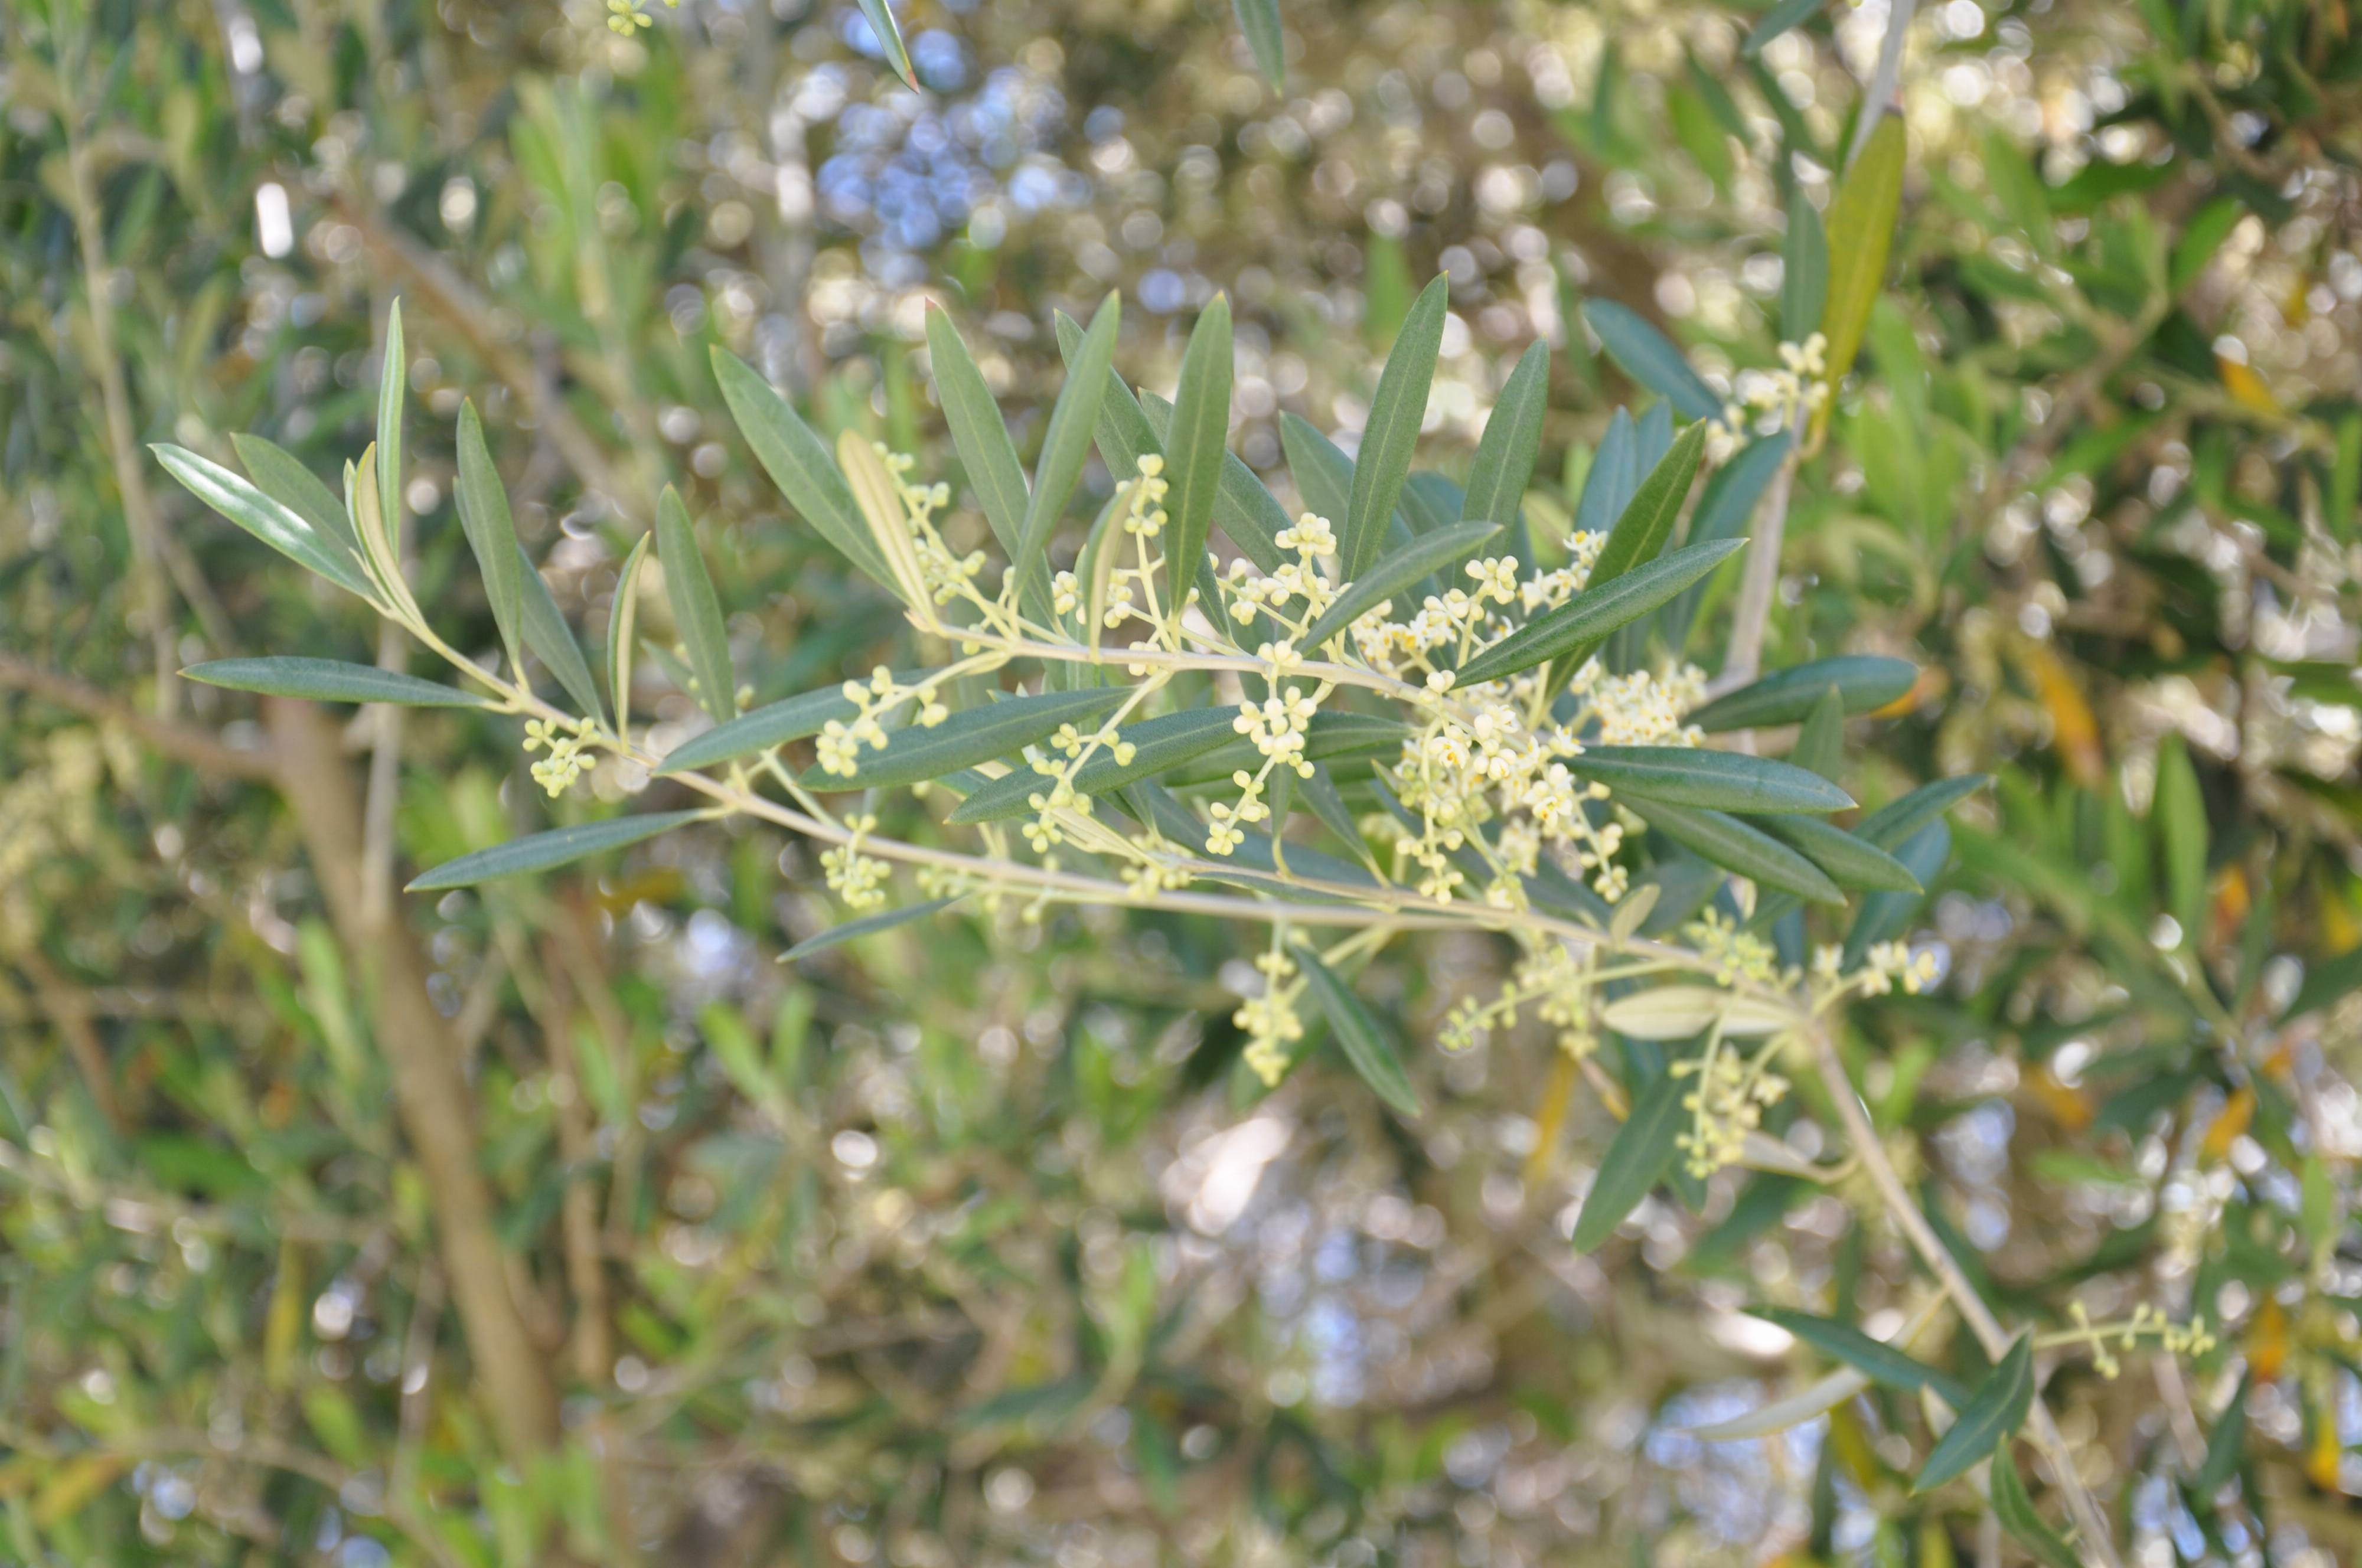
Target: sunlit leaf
point(264, 518)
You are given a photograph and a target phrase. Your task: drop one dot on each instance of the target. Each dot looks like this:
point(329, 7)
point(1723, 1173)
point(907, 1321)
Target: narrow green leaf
point(1708, 781)
point(1994, 1413)
point(2341, 500)
point(285, 479)
point(1195, 446)
point(1738, 847)
point(1892, 824)
point(1883, 916)
point(1820, 741)
point(913, 756)
point(1244, 509)
point(798, 462)
point(867, 925)
point(1129, 426)
point(1359, 1035)
point(551, 641)
point(330, 680)
point(1864, 680)
point(491, 533)
point(541, 851)
point(1328, 803)
point(2227, 1445)
point(266, 519)
point(1636, 1159)
point(623, 630)
point(1615, 475)
point(1640, 537)
point(695, 608)
point(1390, 435)
point(1425, 554)
point(1512, 441)
point(773, 725)
point(393, 380)
point(1323, 473)
point(2015, 1511)
point(1862, 233)
point(1649, 358)
point(1332, 737)
point(1158, 745)
point(889, 39)
point(1881, 1362)
point(2201, 237)
point(979, 433)
point(2182, 837)
point(1723, 507)
point(1779, 19)
point(1582, 621)
point(1067, 442)
point(1804, 269)
point(1259, 19)
point(1851, 862)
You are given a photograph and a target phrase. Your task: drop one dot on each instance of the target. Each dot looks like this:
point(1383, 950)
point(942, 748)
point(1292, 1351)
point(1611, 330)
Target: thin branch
point(70, 1011)
point(199, 748)
point(2091, 1524)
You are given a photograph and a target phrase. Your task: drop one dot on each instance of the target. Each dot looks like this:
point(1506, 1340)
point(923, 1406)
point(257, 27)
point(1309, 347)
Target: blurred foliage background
point(560, 1224)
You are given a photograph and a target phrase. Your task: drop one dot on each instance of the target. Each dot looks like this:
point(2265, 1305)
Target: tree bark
point(430, 1091)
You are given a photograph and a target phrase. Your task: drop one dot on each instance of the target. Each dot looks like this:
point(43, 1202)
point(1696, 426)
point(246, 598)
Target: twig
point(70, 1011)
point(183, 743)
point(2091, 1525)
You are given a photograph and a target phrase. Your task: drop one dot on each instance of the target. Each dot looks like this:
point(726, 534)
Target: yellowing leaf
point(2245, 387)
point(2237, 1112)
point(2267, 1341)
point(2074, 730)
point(1861, 234)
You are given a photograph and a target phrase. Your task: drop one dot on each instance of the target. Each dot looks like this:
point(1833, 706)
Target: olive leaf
point(1994, 1411)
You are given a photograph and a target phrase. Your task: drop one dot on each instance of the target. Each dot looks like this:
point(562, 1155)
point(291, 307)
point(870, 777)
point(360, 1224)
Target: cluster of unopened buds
point(1763, 402)
point(567, 759)
point(1735, 953)
point(1276, 727)
point(858, 879)
point(1299, 582)
point(1887, 965)
point(1069, 748)
point(1269, 1019)
point(839, 743)
point(2192, 1339)
point(626, 18)
point(1725, 1104)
